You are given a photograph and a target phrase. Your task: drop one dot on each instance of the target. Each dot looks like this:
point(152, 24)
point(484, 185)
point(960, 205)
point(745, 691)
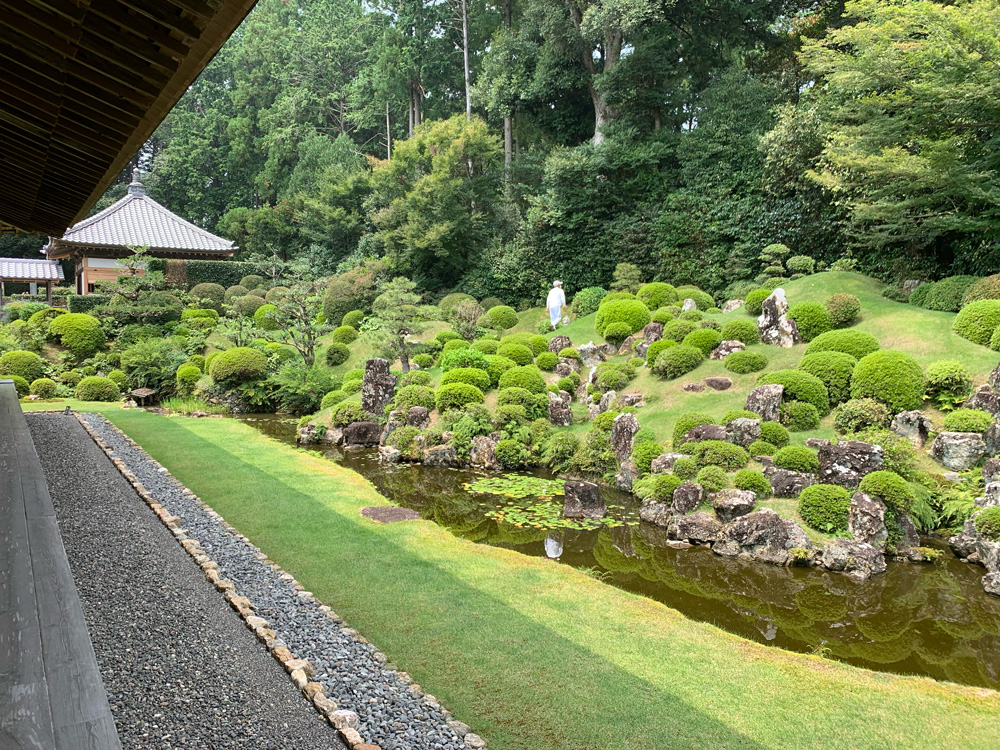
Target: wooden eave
point(66, 249)
point(84, 85)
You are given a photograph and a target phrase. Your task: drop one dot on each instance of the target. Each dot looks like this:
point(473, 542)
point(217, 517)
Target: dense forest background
point(490, 147)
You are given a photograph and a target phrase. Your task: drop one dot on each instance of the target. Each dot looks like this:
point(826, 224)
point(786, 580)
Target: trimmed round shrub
point(753, 303)
point(41, 319)
point(967, 420)
point(892, 377)
point(534, 404)
point(193, 313)
point(824, 507)
point(995, 340)
point(774, 433)
point(745, 362)
point(616, 333)
point(256, 293)
point(335, 397)
point(216, 293)
point(518, 353)
point(662, 316)
point(612, 378)
point(677, 361)
point(359, 374)
point(856, 343)
point(656, 349)
point(263, 317)
point(633, 316)
point(496, 366)
point(252, 281)
point(538, 344)
point(754, 481)
point(569, 352)
point(452, 344)
point(704, 339)
point(351, 386)
point(27, 365)
point(732, 414)
point(445, 336)
point(337, 354)
point(799, 416)
point(985, 288)
point(80, 333)
point(528, 377)
point(797, 458)
point(643, 455)
point(344, 335)
point(663, 486)
point(567, 384)
point(347, 412)
point(802, 264)
point(686, 422)
point(414, 395)
point(43, 388)
point(450, 301)
point(799, 386)
point(977, 321)
point(187, 376)
point(502, 317)
point(615, 297)
point(587, 300)
point(892, 488)
point(657, 294)
point(471, 375)
point(413, 377)
point(511, 454)
point(546, 361)
point(702, 300)
point(917, 297)
point(121, 378)
point(761, 448)
point(21, 386)
point(246, 306)
point(720, 453)
point(712, 478)
point(487, 346)
point(235, 292)
point(352, 318)
point(241, 364)
point(685, 468)
point(676, 330)
point(987, 523)
point(946, 295)
point(740, 329)
point(811, 318)
point(861, 414)
point(423, 360)
point(456, 395)
point(947, 382)
point(464, 357)
point(834, 369)
point(843, 310)
point(96, 388)
point(275, 292)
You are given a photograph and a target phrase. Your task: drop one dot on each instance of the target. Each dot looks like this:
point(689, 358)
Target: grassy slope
point(532, 653)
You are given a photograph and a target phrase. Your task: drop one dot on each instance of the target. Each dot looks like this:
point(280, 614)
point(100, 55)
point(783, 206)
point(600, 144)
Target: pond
point(932, 620)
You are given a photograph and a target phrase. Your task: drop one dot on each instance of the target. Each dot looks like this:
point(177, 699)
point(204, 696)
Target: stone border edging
point(299, 670)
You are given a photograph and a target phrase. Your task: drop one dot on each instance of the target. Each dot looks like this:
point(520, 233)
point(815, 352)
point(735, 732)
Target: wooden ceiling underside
point(83, 84)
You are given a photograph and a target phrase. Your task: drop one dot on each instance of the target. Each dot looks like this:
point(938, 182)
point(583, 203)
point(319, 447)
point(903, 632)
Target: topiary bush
point(685, 468)
point(344, 335)
point(740, 329)
point(235, 292)
point(456, 395)
point(452, 344)
point(528, 377)
point(891, 487)
point(241, 364)
point(486, 346)
point(745, 362)
point(856, 343)
point(246, 306)
point(754, 481)
point(643, 455)
point(946, 295)
point(413, 377)
point(534, 404)
point(761, 448)
point(337, 354)
point(464, 357)
point(547, 361)
point(985, 288)
point(496, 366)
point(662, 316)
point(843, 310)
point(27, 365)
point(587, 300)
point(947, 382)
point(677, 361)
point(264, 317)
point(335, 397)
point(799, 386)
point(799, 416)
point(656, 349)
point(834, 369)
point(712, 478)
point(702, 300)
point(352, 319)
point(215, 293)
point(753, 303)
point(187, 377)
point(616, 333)
point(797, 458)
point(978, 320)
point(252, 281)
point(450, 301)
point(351, 386)
point(518, 353)
point(774, 433)
point(501, 317)
point(802, 264)
point(704, 339)
point(569, 353)
point(987, 523)
point(424, 361)
point(471, 375)
point(43, 388)
point(824, 507)
point(359, 374)
point(811, 318)
point(686, 422)
point(21, 386)
point(861, 414)
point(967, 420)
point(347, 412)
point(657, 294)
point(891, 377)
point(80, 333)
point(414, 395)
point(662, 486)
point(676, 330)
point(720, 453)
point(96, 388)
point(633, 316)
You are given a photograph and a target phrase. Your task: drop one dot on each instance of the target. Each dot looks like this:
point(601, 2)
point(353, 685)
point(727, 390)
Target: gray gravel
point(180, 667)
point(391, 715)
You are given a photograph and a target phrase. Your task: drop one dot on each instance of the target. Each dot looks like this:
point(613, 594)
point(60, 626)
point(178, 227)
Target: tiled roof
point(139, 220)
point(27, 269)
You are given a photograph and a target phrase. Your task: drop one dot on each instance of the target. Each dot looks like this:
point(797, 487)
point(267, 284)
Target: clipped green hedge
point(222, 272)
point(43, 388)
point(811, 318)
point(414, 395)
point(657, 294)
point(187, 376)
point(487, 346)
point(720, 453)
point(856, 343)
point(797, 458)
point(967, 420)
point(798, 416)
point(712, 478)
point(78, 303)
point(891, 377)
point(775, 434)
point(861, 414)
point(471, 375)
point(96, 388)
point(703, 339)
point(677, 361)
point(502, 317)
point(496, 366)
point(702, 300)
point(528, 377)
point(686, 422)
point(80, 333)
point(27, 365)
point(745, 362)
point(633, 314)
point(337, 354)
point(547, 361)
point(892, 488)
point(335, 397)
point(753, 303)
point(456, 395)
point(21, 385)
point(843, 309)
point(978, 320)
point(240, 364)
point(825, 507)
point(985, 288)
point(465, 357)
point(344, 334)
point(519, 353)
point(656, 349)
point(347, 412)
point(676, 330)
point(946, 295)
point(799, 386)
point(754, 481)
point(740, 329)
point(834, 369)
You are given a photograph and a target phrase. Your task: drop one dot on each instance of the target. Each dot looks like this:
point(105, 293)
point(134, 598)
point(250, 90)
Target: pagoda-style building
point(96, 244)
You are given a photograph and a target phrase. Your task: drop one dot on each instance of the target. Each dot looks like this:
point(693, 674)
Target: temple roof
point(138, 220)
point(28, 269)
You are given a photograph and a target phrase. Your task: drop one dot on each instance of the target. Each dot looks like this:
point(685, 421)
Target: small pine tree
point(627, 278)
point(396, 315)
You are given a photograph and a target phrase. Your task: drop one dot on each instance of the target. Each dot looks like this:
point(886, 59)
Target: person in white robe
point(555, 303)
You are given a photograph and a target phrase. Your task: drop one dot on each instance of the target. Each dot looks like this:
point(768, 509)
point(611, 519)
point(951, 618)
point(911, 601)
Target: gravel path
point(180, 667)
point(352, 673)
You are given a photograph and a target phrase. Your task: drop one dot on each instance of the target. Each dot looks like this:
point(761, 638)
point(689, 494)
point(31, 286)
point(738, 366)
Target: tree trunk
point(508, 125)
point(465, 56)
point(404, 358)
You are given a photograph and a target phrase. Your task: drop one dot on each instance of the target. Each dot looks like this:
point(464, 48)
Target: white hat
point(556, 283)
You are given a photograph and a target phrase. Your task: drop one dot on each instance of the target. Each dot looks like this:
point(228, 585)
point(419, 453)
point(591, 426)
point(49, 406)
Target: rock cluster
point(774, 325)
point(377, 386)
point(844, 464)
point(912, 425)
point(726, 348)
point(765, 400)
point(959, 451)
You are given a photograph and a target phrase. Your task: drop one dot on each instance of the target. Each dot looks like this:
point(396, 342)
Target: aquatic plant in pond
point(518, 485)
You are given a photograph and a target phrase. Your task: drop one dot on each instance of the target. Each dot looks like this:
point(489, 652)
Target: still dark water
point(932, 620)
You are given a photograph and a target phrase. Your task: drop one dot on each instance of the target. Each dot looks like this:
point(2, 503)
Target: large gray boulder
point(965, 543)
point(743, 431)
point(991, 470)
point(788, 483)
point(765, 400)
point(775, 327)
point(866, 520)
point(697, 528)
point(558, 343)
point(733, 304)
point(859, 561)
point(704, 432)
point(389, 455)
point(626, 475)
point(687, 497)
point(590, 354)
point(443, 456)
point(392, 423)
point(912, 425)
point(656, 513)
point(483, 454)
point(623, 431)
point(992, 439)
point(652, 332)
point(419, 417)
point(688, 306)
point(377, 386)
point(366, 434)
point(726, 348)
point(985, 399)
point(665, 462)
point(991, 584)
point(908, 535)
point(560, 413)
point(762, 536)
point(730, 504)
point(563, 370)
point(958, 451)
point(583, 500)
point(844, 464)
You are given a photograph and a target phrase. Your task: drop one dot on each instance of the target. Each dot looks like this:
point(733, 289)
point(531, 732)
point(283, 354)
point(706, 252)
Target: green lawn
point(531, 653)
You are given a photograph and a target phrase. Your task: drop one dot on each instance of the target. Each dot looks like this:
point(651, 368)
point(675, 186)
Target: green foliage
point(811, 318)
point(657, 348)
point(546, 361)
point(802, 264)
point(456, 395)
point(643, 455)
point(423, 360)
point(347, 412)
point(703, 300)
point(27, 365)
point(187, 377)
point(892, 377)
point(344, 335)
point(662, 316)
point(534, 404)
point(337, 353)
point(739, 329)
point(948, 383)
point(797, 458)
point(464, 357)
point(96, 388)
point(627, 278)
point(856, 343)
point(194, 313)
point(496, 366)
point(502, 318)
point(685, 468)
point(252, 281)
point(246, 306)
point(518, 353)
point(264, 317)
point(80, 333)
point(616, 333)
point(825, 507)
point(359, 374)
point(754, 481)
point(800, 386)
point(946, 295)
point(860, 414)
point(452, 344)
point(843, 310)
point(978, 320)
point(745, 362)
point(21, 386)
point(657, 294)
point(538, 344)
point(487, 346)
point(528, 377)
point(240, 364)
point(633, 315)
point(414, 395)
point(898, 454)
point(333, 398)
point(569, 353)
point(471, 375)
point(894, 490)
point(987, 523)
point(43, 388)
point(587, 300)
point(353, 318)
point(712, 478)
point(676, 330)
point(761, 448)
point(967, 420)
point(834, 369)
point(774, 433)
point(450, 301)
point(567, 384)
point(512, 454)
point(703, 339)
point(402, 439)
point(397, 317)
point(83, 304)
point(677, 361)
point(719, 453)
point(213, 293)
point(685, 423)
point(235, 292)
point(351, 291)
point(663, 487)
point(799, 416)
point(753, 303)
point(351, 386)
point(985, 288)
